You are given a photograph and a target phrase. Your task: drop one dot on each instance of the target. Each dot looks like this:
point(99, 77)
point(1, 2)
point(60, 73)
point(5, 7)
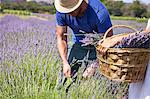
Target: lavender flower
point(91, 39)
point(137, 40)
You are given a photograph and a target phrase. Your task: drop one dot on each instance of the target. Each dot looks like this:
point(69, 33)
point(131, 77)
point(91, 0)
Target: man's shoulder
point(59, 14)
point(96, 5)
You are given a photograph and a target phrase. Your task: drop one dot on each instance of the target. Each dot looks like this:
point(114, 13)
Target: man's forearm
point(62, 47)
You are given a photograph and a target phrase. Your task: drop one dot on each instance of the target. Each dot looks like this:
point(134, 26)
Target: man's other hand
point(109, 42)
point(67, 70)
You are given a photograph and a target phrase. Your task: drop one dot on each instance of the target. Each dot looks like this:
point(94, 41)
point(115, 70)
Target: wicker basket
point(123, 64)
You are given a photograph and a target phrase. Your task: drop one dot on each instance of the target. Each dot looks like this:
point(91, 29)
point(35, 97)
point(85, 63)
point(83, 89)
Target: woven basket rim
point(128, 50)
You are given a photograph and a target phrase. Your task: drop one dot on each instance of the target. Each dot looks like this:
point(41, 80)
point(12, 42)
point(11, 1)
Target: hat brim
point(67, 10)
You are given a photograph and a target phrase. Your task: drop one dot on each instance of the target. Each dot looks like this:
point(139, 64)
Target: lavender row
point(19, 36)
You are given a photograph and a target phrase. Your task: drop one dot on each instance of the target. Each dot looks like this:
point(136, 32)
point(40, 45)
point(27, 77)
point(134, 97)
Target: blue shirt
point(96, 18)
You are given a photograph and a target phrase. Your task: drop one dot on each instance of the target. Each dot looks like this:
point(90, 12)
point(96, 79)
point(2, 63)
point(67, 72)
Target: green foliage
point(129, 18)
point(103, 1)
point(147, 15)
point(137, 9)
point(119, 8)
point(125, 10)
point(1, 8)
point(29, 6)
point(17, 12)
point(114, 7)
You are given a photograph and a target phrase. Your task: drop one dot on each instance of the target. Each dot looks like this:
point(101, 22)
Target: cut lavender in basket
point(137, 40)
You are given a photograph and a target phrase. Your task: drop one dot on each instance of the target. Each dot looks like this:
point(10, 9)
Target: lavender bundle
point(91, 39)
point(137, 40)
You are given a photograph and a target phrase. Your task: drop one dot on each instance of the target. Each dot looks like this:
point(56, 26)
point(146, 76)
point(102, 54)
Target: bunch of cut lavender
point(91, 39)
point(137, 40)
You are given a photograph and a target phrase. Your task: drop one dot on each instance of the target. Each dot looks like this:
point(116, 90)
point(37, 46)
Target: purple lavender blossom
point(137, 40)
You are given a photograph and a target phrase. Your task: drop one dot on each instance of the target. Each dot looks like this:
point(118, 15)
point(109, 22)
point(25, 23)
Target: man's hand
point(106, 44)
point(109, 42)
point(89, 72)
point(67, 70)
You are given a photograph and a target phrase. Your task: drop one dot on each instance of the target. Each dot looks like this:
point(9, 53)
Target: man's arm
point(62, 47)
point(62, 42)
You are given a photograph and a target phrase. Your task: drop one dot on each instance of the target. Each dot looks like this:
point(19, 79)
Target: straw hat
point(67, 6)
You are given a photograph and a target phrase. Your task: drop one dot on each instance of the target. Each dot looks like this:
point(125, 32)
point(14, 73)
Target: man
point(83, 17)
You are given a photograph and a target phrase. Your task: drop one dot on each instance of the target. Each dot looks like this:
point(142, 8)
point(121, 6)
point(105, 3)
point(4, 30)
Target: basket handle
point(115, 26)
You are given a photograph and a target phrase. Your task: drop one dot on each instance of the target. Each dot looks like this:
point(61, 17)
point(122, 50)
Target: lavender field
point(29, 61)
point(28, 57)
